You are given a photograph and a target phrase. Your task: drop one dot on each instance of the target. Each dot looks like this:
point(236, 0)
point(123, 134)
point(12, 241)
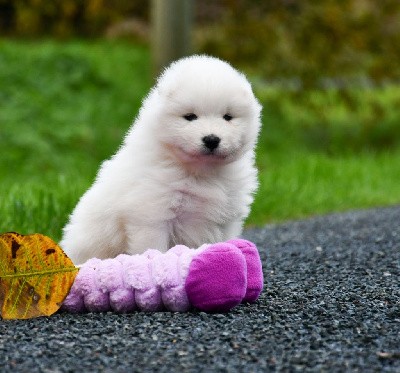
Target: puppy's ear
point(247, 92)
point(166, 83)
point(166, 92)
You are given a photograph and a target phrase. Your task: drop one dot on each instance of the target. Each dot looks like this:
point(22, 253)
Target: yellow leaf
point(35, 276)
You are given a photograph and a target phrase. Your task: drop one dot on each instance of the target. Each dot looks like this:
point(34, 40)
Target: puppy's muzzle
point(211, 142)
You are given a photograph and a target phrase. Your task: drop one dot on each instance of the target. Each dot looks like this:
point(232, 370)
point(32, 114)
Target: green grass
point(326, 151)
point(64, 107)
point(300, 184)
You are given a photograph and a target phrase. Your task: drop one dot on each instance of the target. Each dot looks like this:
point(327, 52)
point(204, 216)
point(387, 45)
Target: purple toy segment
point(255, 277)
point(138, 276)
point(168, 276)
point(217, 278)
point(175, 299)
point(110, 281)
point(74, 302)
point(123, 300)
point(97, 301)
point(149, 300)
point(95, 298)
point(83, 284)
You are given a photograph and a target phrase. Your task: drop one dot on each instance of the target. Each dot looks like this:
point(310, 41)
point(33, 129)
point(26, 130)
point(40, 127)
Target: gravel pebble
point(331, 303)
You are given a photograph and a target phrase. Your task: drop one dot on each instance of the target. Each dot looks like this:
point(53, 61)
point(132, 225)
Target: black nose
point(211, 141)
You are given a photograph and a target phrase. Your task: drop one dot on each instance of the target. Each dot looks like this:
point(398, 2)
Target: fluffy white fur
point(164, 186)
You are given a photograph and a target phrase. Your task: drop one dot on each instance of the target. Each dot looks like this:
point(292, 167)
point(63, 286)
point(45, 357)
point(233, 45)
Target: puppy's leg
point(232, 230)
point(147, 237)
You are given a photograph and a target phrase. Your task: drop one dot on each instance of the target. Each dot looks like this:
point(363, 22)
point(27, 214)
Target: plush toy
point(212, 278)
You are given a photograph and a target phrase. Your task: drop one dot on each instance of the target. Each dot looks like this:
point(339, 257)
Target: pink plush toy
point(212, 278)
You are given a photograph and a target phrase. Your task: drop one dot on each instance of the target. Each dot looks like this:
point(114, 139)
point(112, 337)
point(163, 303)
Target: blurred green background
point(73, 74)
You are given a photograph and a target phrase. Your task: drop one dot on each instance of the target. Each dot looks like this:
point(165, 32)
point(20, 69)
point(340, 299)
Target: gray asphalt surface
point(331, 303)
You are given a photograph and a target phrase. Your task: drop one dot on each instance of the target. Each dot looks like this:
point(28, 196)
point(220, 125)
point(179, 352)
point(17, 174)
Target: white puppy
point(185, 173)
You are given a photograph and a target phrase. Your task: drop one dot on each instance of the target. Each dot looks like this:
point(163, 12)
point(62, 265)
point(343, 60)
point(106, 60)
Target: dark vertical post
point(171, 28)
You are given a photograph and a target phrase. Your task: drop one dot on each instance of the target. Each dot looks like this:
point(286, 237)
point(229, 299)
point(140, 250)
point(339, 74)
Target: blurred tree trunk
point(7, 18)
point(171, 28)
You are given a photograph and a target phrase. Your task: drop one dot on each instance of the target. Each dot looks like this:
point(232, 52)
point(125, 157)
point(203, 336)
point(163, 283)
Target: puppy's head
point(207, 111)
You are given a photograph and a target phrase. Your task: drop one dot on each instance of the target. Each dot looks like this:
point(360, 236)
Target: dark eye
point(190, 117)
point(227, 117)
